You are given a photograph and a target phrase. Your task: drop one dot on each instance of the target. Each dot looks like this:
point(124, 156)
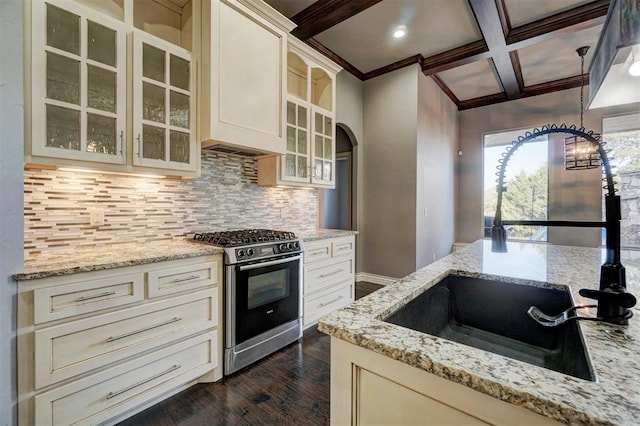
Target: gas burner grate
point(242, 237)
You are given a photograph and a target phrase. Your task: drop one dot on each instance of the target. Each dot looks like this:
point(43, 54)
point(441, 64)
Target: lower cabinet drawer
point(188, 277)
point(323, 274)
point(89, 295)
point(66, 350)
point(342, 246)
point(317, 250)
point(328, 301)
point(102, 396)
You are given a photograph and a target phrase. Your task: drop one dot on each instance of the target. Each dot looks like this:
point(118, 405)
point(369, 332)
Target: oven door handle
point(270, 263)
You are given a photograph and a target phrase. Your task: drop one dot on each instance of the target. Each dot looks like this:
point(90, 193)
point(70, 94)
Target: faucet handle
point(615, 295)
point(613, 303)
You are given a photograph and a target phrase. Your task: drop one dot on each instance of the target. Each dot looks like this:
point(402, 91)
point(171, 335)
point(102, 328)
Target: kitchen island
point(613, 398)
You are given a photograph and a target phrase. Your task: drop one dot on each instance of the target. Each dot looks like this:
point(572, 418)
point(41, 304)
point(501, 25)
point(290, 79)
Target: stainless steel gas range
point(263, 287)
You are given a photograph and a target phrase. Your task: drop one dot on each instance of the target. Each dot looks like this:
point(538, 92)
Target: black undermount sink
point(492, 315)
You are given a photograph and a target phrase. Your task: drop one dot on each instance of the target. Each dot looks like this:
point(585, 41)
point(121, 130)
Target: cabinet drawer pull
point(95, 296)
point(121, 140)
point(322, 305)
point(331, 273)
point(181, 280)
point(122, 336)
point(139, 139)
point(343, 248)
point(127, 389)
point(317, 252)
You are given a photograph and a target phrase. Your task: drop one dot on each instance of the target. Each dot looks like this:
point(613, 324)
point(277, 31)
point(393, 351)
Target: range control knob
point(250, 252)
point(282, 247)
point(296, 245)
point(240, 253)
point(289, 246)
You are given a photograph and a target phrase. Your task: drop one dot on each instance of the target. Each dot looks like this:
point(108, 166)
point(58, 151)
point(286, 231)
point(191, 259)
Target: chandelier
point(579, 153)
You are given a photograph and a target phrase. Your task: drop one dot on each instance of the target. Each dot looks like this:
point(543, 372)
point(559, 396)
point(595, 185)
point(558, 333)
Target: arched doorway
point(337, 207)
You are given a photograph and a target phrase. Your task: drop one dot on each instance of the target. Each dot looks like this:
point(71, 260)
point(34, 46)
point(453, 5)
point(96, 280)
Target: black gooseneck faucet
point(614, 302)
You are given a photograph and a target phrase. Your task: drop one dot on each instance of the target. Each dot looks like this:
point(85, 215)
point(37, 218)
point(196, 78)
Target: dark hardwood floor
point(289, 387)
point(363, 288)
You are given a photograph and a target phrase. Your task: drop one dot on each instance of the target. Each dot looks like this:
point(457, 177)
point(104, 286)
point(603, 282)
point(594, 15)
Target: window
point(526, 179)
point(622, 135)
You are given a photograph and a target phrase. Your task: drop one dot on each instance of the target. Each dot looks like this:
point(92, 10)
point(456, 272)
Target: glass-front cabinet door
point(323, 148)
point(78, 84)
point(295, 163)
point(163, 105)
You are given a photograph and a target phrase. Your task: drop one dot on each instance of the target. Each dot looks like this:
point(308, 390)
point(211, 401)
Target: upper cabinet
point(78, 84)
point(244, 54)
point(163, 104)
point(309, 156)
point(106, 93)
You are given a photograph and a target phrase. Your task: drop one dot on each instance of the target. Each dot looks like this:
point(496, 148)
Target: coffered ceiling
point(479, 52)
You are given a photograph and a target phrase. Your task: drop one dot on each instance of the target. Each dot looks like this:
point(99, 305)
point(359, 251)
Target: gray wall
point(558, 107)
point(410, 132)
point(436, 148)
point(349, 106)
point(349, 113)
point(389, 177)
point(11, 141)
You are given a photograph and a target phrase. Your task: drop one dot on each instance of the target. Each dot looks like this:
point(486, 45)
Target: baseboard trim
point(375, 279)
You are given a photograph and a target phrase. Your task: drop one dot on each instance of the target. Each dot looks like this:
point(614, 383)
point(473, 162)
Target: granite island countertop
point(614, 398)
point(65, 262)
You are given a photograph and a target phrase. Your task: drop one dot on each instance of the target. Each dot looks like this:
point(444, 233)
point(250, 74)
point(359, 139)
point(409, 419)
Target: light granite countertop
point(64, 262)
point(61, 262)
point(323, 234)
point(614, 398)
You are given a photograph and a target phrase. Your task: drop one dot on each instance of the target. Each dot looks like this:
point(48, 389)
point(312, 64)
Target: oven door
point(262, 296)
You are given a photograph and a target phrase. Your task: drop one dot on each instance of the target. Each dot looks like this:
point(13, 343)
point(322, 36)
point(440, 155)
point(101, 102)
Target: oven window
point(268, 287)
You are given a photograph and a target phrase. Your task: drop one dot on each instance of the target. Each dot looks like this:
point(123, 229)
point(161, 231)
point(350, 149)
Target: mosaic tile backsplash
point(57, 205)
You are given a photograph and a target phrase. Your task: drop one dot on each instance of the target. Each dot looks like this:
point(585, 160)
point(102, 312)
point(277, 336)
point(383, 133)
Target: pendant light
point(579, 153)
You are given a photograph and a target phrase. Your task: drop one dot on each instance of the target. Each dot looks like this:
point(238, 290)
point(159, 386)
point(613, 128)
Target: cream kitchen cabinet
point(329, 266)
point(106, 95)
point(369, 388)
point(99, 346)
point(309, 158)
point(78, 83)
point(163, 105)
point(243, 52)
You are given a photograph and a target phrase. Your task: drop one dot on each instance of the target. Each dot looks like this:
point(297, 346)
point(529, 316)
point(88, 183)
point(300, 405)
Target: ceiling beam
point(453, 58)
point(324, 14)
point(482, 101)
point(555, 86)
point(443, 86)
point(488, 18)
point(577, 19)
point(535, 90)
point(500, 43)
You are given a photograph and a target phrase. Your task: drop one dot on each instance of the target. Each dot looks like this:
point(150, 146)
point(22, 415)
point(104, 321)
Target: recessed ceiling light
point(400, 32)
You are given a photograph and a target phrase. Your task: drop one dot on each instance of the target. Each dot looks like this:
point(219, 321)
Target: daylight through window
point(527, 183)
point(622, 135)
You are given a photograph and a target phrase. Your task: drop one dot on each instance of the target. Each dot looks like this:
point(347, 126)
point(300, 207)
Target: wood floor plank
point(289, 387)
